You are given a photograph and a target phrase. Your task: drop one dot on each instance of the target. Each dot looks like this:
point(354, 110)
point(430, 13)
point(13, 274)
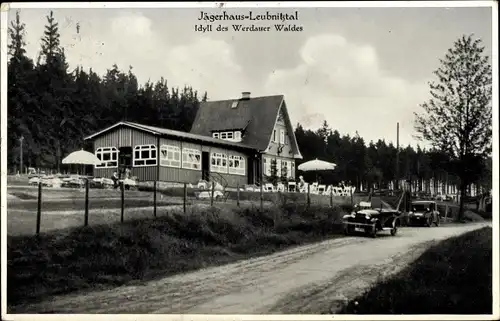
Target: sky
point(360, 69)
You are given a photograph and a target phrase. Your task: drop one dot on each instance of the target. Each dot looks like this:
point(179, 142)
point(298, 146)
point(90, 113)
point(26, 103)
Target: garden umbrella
point(81, 157)
point(316, 165)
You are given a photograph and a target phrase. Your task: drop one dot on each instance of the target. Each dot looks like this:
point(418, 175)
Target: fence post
point(154, 198)
point(308, 195)
point(212, 195)
point(352, 200)
point(185, 196)
point(331, 196)
point(86, 221)
point(123, 202)
point(238, 194)
point(39, 209)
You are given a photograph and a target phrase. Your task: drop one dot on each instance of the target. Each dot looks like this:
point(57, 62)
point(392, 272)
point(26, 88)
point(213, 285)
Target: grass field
point(108, 255)
point(452, 277)
point(64, 207)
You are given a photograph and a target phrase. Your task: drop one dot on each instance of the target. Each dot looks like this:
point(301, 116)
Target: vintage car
point(370, 221)
point(424, 213)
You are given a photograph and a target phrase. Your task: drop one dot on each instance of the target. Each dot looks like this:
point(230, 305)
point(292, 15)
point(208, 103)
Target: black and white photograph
point(250, 160)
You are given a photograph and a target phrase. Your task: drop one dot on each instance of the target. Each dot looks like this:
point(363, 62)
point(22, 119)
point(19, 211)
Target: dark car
point(424, 213)
point(371, 221)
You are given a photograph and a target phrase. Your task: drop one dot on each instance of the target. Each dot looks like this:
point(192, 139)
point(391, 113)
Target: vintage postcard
point(250, 160)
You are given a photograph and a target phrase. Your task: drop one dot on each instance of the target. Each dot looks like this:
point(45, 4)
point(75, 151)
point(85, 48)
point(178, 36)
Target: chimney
point(245, 95)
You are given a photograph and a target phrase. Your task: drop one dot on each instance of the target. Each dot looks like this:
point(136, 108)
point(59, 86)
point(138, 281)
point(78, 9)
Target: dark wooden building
point(236, 139)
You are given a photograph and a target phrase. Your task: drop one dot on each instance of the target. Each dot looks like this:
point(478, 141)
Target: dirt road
point(300, 280)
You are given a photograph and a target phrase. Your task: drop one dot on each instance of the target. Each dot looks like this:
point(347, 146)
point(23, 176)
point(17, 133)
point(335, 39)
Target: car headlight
point(367, 217)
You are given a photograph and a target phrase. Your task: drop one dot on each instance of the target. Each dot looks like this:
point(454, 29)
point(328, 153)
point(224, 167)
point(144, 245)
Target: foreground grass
point(102, 256)
point(452, 277)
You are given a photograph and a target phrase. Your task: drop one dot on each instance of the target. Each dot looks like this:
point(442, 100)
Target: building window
point(286, 138)
point(284, 169)
point(219, 163)
point(292, 169)
point(289, 169)
point(274, 135)
point(282, 136)
point(170, 156)
point(191, 158)
point(108, 156)
point(267, 166)
point(229, 135)
point(216, 135)
point(237, 136)
point(236, 165)
point(144, 155)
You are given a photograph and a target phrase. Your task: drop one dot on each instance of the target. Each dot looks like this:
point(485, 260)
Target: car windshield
point(420, 207)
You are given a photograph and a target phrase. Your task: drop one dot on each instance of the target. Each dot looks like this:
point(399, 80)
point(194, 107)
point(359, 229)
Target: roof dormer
point(230, 135)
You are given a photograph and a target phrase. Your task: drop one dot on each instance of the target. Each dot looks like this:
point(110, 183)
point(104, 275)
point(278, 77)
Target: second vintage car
point(424, 213)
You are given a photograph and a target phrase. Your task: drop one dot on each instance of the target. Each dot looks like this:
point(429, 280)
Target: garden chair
point(202, 184)
point(268, 187)
point(292, 187)
point(280, 187)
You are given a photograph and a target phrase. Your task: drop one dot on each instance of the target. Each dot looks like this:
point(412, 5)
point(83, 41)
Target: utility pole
point(21, 153)
point(397, 157)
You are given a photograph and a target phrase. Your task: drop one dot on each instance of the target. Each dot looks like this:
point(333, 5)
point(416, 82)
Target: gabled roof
point(171, 133)
point(256, 116)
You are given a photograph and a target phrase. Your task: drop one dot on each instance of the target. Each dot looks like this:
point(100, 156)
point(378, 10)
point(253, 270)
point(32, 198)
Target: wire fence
point(39, 208)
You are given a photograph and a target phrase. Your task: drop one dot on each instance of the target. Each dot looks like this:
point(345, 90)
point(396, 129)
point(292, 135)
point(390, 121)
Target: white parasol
point(316, 165)
point(81, 157)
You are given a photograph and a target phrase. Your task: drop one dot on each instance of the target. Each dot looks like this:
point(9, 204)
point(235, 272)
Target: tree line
point(53, 107)
point(379, 164)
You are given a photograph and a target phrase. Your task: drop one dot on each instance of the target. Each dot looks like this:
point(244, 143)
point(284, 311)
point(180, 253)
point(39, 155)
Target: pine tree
point(457, 119)
point(22, 107)
point(55, 89)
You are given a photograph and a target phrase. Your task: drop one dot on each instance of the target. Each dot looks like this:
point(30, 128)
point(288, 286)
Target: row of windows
point(283, 137)
point(233, 164)
point(170, 156)
point(282, 166)
point(143, 155)
point(236, 135)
